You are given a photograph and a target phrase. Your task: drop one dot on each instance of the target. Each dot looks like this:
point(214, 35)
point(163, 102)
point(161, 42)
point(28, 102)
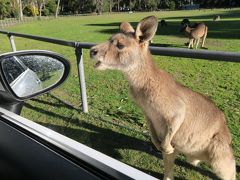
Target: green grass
point(115, 125)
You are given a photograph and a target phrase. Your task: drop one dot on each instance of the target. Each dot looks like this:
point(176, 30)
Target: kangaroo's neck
point(144, 73)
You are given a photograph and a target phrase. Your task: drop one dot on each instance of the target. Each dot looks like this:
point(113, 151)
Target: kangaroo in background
point(195, 33)
point(185, 21)
point(179, 120)
point(216, 18)
point(163, 23)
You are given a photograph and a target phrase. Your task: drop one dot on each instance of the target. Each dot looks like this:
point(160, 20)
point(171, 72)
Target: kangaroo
point(163, 23)
point(216, 18)
point(185, 21)
point(199, 31)
point(179, 120)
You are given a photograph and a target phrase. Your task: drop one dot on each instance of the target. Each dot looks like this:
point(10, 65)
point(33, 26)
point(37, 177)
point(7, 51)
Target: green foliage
point(172, 5)
point(151, 4)
point(30, 10)
point(105, 6)
point(89, 7)
point(4, 8)
point(15, 11)
point(46, 12)
point(50, 8)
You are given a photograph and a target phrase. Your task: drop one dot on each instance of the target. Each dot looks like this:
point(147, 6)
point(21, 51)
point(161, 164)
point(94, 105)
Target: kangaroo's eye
point(120, 46)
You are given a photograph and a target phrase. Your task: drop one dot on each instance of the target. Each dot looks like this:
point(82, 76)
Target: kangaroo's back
point(199, 31)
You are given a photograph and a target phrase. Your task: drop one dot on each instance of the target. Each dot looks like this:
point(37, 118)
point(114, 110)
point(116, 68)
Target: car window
point(14, 67)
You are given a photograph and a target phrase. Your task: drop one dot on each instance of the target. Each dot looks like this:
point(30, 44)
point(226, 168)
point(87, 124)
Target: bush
point(30, 11)
point(46, 12)
point(4, 8)
point(172, 5)
point(50, 7)
point(15, 12)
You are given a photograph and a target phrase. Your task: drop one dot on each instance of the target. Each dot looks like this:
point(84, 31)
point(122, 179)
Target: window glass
point(14, 67)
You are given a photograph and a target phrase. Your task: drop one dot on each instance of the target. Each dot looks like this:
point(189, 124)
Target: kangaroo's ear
point(146, 28)
point(125, 27)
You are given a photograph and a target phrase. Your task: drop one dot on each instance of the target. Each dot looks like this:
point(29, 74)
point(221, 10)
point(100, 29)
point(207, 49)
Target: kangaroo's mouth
point(97, 64)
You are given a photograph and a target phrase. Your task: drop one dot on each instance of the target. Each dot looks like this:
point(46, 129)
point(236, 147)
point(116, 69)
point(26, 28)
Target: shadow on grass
point(122, 115)
point(108, 141)
point(60, 103)
point(238, 168)
point(167, 45)
point(224, 16)
point(223, 29)
point(219, 30)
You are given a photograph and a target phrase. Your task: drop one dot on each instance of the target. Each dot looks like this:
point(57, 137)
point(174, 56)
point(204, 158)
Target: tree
point(99, 6)
point(172, 5)
point(149, 5)
point(4, 8)
point(152, 4)
point(50, 8)
point(20, 15)
point(57, 9)
point(118, 5)
point(31, 9)
point(14, 8)
point(110, 5)
point(40, 4)
point(22, 4)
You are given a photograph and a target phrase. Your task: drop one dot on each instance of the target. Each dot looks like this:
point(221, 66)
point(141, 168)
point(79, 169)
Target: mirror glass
point(30, 74)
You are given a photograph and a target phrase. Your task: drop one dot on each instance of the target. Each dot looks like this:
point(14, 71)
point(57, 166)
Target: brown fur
point(195, 34)
point(179, 120)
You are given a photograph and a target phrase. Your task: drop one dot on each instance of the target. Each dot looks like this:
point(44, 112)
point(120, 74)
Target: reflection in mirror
point(30, 74)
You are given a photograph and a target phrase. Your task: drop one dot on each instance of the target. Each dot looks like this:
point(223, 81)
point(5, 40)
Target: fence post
point(81, 77)
point(12, 42)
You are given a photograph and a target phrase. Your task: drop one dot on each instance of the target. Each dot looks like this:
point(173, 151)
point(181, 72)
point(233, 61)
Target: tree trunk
point(57, 9)
point(118, 5)
point(110, 6)
point(40, 11)
point(20, 9)
point(99, 4)
point(130, 5)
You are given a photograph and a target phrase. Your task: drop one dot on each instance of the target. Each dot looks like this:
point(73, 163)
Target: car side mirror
point(26, 74)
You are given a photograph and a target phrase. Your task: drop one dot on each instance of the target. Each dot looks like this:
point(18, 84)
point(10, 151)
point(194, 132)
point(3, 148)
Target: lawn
point(114, 124)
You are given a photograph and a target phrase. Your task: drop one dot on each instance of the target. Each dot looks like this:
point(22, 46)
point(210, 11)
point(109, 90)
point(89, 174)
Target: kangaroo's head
point(127, 49)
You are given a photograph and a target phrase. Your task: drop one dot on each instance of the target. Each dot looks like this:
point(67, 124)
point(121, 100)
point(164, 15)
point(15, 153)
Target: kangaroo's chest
point(142, 99)
point(151, 104)
point(153, 111)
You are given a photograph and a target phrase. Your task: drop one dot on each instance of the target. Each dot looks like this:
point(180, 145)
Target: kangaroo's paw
point(167, 149)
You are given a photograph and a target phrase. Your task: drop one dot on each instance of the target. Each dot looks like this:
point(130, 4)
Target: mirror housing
point(26, 74)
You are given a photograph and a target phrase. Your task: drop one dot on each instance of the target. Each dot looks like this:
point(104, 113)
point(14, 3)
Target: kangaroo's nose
point(93, 52)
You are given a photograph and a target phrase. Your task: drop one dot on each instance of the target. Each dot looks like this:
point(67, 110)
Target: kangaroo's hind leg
point(198, 39)
point(190, 45)
point(204, 37)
